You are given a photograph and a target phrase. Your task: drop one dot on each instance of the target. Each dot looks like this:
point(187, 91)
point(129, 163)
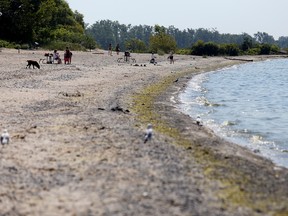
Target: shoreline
point(77, 143)
point(239, 141)
point(217, 155)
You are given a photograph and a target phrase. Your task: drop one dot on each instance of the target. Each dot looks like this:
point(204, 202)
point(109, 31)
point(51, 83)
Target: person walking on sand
point(110, 49)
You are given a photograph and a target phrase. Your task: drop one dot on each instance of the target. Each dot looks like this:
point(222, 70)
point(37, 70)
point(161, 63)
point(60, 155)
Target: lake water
point(246, 104)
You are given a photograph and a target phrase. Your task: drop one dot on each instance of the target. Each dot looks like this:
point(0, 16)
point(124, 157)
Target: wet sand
point(77, 143)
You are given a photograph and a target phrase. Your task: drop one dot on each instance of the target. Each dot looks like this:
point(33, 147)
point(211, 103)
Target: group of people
point(170, 57)
point(153, 57)
point(117, 49)
point(67, 56)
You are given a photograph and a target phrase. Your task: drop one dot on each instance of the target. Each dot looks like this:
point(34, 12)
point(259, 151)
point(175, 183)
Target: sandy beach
point(77, 142)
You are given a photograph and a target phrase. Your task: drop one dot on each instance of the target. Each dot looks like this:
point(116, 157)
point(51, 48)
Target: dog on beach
point(33, 63)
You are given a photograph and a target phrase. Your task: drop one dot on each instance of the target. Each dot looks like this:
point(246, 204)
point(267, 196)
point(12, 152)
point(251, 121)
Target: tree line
point(144, 38)
point(52, 24)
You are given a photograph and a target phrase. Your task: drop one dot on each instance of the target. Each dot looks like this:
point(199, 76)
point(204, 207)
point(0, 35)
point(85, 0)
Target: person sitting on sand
point(153, 59)
point(56, 57)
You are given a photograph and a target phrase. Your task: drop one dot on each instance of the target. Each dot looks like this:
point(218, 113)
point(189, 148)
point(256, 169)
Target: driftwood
point(248, 60)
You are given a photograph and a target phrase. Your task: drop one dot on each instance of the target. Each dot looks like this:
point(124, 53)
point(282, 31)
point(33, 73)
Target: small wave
point(257, 139)
point(196, 82)
point(244, 131)
point(245, 105)
point(226, 68)
point(203, 101)
point(229, 123)
point(172, 99)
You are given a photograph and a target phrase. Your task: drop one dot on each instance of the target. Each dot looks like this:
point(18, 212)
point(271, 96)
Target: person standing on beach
point(110, 49)
point(117, 49)
point(67, 56)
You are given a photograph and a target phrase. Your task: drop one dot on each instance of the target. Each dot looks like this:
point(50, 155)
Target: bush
point(160, 52)
point(253, 51)
point(183, 51)
point(275, 49)
point(6, 44)
point(23, 46)
point(198, 48)
point(211, 49)
point(89, 43)
point(265, 49)
point(61, 45)
point(231, 50)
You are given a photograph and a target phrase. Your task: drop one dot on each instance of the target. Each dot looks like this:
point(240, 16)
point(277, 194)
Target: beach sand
point(77, 145)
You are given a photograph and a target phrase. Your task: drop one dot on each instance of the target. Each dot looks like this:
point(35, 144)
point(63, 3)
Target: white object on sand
point(148, 134)
point(5, 138)
point(198, 120)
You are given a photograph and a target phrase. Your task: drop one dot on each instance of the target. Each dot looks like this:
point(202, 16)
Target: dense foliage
point(41, 22)
point(150, 39)
point(128, 37)
point(51, 23)
point(161, 41)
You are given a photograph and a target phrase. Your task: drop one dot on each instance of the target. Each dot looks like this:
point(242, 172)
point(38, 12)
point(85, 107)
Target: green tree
point(17, 19)
point(162, 41)
point(283, 42)
point(141, 32)
point(89, 42)
point(105, 32)
point(79, 19)
point(263, 37)
point(247, 42)
point(136, 45)
point(27, 21)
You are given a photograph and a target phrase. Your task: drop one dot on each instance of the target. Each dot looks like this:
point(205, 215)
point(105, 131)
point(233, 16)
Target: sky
point(226, 16)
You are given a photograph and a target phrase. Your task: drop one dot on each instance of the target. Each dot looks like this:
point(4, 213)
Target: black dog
point(33, 63)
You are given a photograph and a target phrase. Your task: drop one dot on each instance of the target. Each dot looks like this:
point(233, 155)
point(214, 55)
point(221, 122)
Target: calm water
point(246, 104)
